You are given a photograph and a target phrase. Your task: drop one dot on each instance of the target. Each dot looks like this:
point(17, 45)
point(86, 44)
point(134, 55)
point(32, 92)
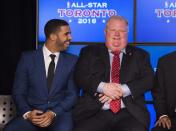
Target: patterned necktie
point(115, 105)
point(51, 71)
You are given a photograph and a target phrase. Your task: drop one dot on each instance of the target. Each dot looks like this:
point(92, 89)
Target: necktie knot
point(116, 53)
point(52, 57)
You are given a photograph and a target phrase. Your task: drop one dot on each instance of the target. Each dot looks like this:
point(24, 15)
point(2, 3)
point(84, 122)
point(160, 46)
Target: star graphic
point(103, 21)
point(168, 21)
point(70, 21)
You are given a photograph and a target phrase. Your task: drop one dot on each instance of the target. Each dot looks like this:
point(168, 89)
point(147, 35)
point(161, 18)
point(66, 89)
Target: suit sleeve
point(20, 86)
point(145, 78)
point(159, 91)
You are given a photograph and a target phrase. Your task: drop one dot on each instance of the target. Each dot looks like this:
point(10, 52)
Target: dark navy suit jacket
point(30, 89)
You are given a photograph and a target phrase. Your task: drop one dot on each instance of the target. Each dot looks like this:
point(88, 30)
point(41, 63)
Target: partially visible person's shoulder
point(69, 55)
point(97, 46)
point(168, 57)
point(93, 50)
point(137, 50)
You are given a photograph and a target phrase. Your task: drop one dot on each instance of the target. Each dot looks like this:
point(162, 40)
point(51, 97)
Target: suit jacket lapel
point(104, 55)
point(41, 70)
point(126, 60)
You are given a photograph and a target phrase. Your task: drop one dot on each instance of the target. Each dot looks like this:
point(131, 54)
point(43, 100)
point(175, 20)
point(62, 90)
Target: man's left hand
point(47, 119)
point(165, 122)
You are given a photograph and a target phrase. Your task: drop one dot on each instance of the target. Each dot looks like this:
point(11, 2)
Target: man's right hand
point(103, 98)
point(34, 116)
point(112, 90)
point(165, 122)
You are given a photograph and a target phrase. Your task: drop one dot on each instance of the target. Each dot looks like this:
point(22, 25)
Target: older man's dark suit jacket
point(165, 86)
point(93, 67)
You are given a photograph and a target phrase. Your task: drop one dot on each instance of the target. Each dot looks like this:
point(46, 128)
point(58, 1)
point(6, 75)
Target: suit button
point(48, 102)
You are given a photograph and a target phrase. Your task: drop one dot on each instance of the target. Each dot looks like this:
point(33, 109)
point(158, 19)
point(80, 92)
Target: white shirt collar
point(47, 53)
point(122, 51)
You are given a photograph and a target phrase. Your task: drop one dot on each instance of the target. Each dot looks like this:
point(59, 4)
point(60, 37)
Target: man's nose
point(117, 33)
point(69, 36)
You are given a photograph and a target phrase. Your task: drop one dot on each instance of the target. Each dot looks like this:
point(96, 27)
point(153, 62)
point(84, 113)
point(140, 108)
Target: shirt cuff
point(126, 90)
point(100, 87)
point(25, 115)
point(162, 116)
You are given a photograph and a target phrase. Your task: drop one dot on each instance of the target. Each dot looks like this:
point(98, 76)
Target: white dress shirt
point(47, 58)
point(125, 88)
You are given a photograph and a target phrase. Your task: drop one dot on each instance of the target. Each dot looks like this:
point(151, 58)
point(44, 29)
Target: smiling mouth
point(116, 38)
point(67, 43)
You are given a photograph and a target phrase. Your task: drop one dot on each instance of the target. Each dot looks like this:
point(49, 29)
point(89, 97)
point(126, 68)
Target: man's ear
point(53, 36)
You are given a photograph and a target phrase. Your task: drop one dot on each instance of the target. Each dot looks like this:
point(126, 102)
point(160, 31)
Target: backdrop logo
point(86, 13)
point(168, 11)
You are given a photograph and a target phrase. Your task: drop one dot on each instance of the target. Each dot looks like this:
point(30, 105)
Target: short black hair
point(53, 25)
